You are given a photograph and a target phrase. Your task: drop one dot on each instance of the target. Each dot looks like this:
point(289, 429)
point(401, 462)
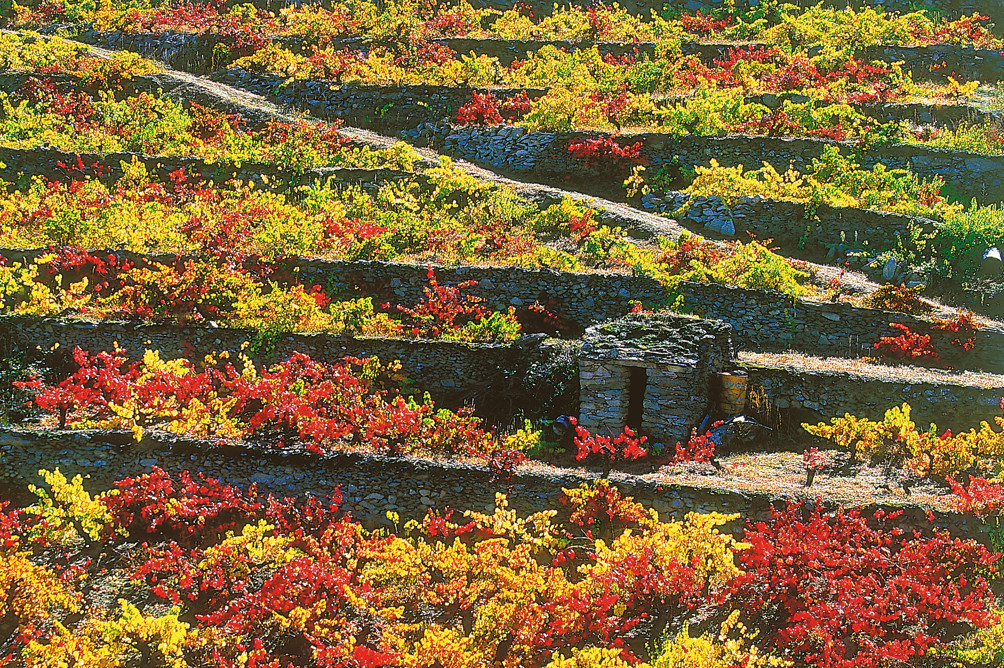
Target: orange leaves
point(908, 345)
point(911, 345)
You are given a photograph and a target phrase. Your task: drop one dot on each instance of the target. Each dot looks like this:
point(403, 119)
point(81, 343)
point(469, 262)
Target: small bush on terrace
point(751, 265)
point(832, 179)
point(896, 440)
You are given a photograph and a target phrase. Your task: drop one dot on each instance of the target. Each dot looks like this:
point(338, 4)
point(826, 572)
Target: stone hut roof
point(656, 338)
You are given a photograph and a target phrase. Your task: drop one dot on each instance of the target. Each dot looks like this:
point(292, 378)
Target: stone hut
point(652, 372)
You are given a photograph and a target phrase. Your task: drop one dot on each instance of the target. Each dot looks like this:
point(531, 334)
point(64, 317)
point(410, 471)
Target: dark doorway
point(637, 382)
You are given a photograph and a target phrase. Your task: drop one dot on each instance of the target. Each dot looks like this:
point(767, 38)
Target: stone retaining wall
point(416, 112)
point(581, 298)
point(773, 321)
point(107, 167)
point(538, 378)
point(817, 395)
point(584, 299)
point(371, 486)
point(453, 373)
point(393, 108)
point(808, 237)
point(951, 9)
point(180, 51)
point(383, 108)
point(763, 320)
point(545, 155)
point(194, 53)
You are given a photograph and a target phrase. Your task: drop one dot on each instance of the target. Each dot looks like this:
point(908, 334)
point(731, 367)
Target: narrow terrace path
point(181, 85)
point(643, 227)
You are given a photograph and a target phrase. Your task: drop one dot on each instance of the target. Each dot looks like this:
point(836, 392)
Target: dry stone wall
point(545, 155)
point(912, 112)
point(180, 51)
point(416, 112)
point(543, 375)
point(379, 107)
point(451, 372)
point(371, 486)
point(967, 175)
point(811, 395)
point(763, 320)
point(108, 168)
point(951, 9)
point(393, 108)
point(582, 298)
point(773, 321)
point(195, 53)
point(802, 233)
point(675, 399)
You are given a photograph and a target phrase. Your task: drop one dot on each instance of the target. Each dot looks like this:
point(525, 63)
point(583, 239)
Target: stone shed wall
point(674, 356)
point(603, 395)
point(676, 399)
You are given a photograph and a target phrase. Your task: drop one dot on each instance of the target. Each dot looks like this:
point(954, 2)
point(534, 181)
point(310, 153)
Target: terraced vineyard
point(443, 334)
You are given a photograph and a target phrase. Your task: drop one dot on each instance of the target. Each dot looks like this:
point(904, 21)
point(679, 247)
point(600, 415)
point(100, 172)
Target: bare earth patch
point(781, 473)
